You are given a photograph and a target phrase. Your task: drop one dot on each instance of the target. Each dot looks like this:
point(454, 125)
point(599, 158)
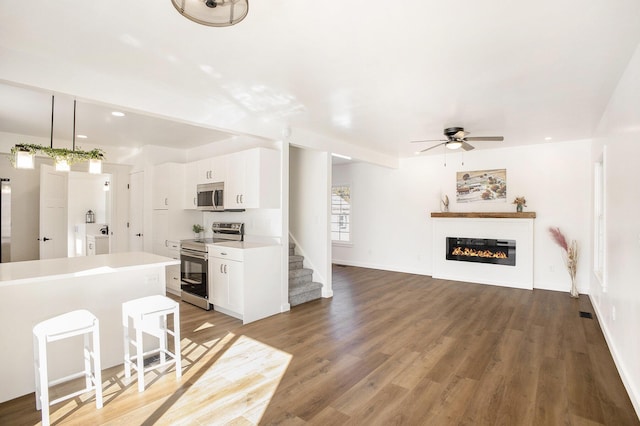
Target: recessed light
point(81, 136)
point(548, 138)
point(117, 114)
point(345, 157)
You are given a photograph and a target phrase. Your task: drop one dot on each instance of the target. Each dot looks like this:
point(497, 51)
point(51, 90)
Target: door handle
point(138, 235)
point(225, 269)
point(45, 239)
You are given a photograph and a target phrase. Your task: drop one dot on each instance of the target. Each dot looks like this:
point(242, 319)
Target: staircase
point(302, 289)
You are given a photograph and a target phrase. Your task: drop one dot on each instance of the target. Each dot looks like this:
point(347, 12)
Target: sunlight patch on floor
point(237, 386)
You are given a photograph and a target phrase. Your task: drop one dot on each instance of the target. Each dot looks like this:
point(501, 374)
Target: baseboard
point(634, 394)
point(381, 267)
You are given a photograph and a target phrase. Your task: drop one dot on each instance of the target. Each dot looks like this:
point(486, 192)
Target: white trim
point(634, 394)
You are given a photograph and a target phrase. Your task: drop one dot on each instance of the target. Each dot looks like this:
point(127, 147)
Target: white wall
point(86, 192)
point(618, 307)
point(391, 221)
point(309, 194)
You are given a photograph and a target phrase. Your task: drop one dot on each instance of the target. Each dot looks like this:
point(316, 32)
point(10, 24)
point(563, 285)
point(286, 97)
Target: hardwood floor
point(388, 348)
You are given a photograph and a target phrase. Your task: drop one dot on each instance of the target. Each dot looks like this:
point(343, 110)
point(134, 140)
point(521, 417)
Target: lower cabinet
point(173, 271)
point(245, 282)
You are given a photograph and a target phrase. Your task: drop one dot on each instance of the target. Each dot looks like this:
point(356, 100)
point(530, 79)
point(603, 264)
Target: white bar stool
point(74, 323)
point(149, 316)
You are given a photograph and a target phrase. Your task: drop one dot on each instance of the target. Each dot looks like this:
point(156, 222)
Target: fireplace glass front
point(483, 250)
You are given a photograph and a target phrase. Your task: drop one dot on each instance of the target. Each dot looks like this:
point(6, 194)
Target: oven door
point(193, 273)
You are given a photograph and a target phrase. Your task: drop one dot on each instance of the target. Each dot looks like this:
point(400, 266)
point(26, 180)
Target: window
point(341, 214)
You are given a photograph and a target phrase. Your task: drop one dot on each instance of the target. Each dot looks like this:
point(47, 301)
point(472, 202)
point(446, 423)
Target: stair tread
point(295, 258)
point(297, 273)
point(304, 288)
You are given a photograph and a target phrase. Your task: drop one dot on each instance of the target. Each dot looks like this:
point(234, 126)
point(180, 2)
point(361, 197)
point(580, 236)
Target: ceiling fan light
point(24, 160)
point(454, 144)
point(95, 166)
point(213, 13)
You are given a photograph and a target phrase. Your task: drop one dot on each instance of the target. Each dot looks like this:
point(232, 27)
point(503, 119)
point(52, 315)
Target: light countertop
point(38, 270)
point(243, 244)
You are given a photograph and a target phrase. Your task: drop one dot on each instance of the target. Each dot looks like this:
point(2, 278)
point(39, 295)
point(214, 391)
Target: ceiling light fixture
point(453, 144)
point(213, 13)
point(22, 155)
point(117, 114)
point(344, 157)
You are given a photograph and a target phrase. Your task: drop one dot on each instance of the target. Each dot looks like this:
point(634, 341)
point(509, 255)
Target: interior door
point(136, 211)
point(53, 212)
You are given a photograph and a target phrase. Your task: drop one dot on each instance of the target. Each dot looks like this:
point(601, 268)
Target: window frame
point(350, 215)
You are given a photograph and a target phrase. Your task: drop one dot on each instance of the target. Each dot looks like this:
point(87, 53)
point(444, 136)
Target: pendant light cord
point(52, 104)
point(74, 124)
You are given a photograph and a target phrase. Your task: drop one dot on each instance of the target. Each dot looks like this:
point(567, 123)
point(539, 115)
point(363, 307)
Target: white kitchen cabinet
point(253, 179)
point(245, 279)
point(190, 199)
point(227, 278)
point(212, 169)
point(173, 271)
point(169, 220)
point(161, 186)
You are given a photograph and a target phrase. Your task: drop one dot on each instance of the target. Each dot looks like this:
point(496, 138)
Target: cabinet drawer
point(225, 252)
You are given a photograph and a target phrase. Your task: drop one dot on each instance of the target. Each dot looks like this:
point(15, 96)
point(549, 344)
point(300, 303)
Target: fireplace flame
point(466, 251)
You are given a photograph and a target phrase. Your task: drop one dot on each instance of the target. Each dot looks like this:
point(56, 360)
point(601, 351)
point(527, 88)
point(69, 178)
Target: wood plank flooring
point(387, 349)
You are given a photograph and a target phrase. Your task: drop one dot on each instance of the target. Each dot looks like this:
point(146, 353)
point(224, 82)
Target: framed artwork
point(481, 186)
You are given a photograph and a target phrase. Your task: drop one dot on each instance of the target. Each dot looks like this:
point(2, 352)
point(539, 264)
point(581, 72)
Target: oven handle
point(194, 254)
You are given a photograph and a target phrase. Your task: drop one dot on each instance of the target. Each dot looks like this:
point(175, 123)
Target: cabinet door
point(234, 187)
point(235, 279)
point(253, 179)
point(160, 224)
point(160, 187)
point(203, 171)
point(218, 283)
point(190, 199)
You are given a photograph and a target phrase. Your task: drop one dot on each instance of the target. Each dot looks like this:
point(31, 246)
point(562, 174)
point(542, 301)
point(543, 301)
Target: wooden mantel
point(487, 215)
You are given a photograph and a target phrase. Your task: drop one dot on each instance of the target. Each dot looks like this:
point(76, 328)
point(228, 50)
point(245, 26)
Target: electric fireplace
point(481, 250)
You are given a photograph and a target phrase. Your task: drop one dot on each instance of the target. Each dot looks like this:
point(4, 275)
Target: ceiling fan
point(457, 138)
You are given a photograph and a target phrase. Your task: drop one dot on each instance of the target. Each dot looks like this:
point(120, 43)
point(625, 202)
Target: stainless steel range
point(194, 262)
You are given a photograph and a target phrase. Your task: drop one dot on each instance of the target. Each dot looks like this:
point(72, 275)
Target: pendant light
point(23, 158)
point(22, 154)
point(213, 13)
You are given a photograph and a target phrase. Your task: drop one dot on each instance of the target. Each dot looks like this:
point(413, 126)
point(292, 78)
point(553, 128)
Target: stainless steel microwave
point(211, 196)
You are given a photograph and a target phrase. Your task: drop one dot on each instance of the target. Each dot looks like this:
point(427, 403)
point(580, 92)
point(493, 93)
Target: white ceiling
point(371, 74)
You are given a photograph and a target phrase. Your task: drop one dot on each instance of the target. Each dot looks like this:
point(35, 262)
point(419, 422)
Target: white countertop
point(243, 244)
point(37, 270)
point(97, 236)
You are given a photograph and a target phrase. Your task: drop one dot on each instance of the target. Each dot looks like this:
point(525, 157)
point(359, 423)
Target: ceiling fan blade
point(460, 134)
point(485, 138)
point(430, 140)
point(466, 146)
point(431, 147)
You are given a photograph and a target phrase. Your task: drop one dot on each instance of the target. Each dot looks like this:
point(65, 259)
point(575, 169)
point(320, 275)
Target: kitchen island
point(34, 291)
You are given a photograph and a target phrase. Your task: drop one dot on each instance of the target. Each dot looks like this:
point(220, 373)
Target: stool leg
point(176, 342)
point(36, 367)
point(162, 336)
point(87, 360)
point(139, 359)
point(44, 381)
point(97, 366)
point(127, 342)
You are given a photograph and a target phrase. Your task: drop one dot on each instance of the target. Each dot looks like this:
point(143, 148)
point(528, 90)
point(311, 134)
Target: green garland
point(71, 156)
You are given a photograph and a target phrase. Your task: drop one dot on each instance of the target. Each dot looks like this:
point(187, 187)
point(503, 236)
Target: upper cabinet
point(190, 199)
point(211, 170)
point(252, 179)
point(168, 186)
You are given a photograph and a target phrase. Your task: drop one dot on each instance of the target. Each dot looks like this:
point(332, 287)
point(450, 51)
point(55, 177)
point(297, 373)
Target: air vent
point(586, 315)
